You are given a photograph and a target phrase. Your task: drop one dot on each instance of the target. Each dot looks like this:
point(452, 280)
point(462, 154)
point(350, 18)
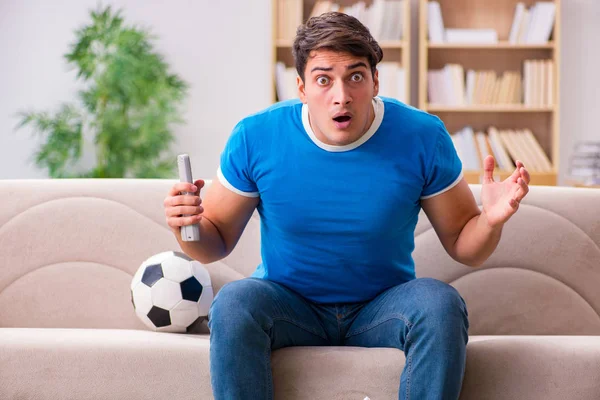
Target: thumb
point(488, 169)
point(199, 184)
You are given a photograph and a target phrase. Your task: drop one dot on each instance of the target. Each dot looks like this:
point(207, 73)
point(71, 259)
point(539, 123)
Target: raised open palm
point(500, 200)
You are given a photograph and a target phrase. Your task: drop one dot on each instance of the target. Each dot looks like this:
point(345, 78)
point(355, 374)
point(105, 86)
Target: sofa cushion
point(498, 368)
point(83, 364)
point(90, 364)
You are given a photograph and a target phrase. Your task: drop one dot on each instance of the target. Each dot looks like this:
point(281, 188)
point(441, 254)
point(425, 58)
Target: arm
point(222, 219)
point(470, 235)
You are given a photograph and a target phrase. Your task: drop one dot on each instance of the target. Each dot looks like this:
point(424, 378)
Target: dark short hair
point(337, 32)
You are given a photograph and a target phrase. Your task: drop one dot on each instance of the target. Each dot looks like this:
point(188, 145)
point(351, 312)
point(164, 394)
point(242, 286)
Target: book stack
point(449, 86)
point(384, 18)
point(538, 83)
point(532, 25)
point(289, 17)
point(584, 164)
point(507, 146)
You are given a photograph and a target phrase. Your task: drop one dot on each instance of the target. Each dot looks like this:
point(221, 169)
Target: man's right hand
point(177, 204)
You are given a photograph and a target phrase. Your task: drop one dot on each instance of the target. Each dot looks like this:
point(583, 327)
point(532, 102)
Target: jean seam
point(409, 372)
point(269, 374)
point(301, 326)
point(371, 326)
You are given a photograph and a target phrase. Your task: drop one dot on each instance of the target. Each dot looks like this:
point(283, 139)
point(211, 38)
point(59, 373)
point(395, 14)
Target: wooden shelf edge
point(384, 44)
point(502, 45)
point(491, 108)
point(537, 178)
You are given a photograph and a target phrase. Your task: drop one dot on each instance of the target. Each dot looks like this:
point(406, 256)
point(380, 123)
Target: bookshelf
point(509, 52)
point(395, 42)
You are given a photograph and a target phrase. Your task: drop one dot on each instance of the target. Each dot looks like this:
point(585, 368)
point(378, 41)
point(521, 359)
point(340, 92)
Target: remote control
point(189, 233)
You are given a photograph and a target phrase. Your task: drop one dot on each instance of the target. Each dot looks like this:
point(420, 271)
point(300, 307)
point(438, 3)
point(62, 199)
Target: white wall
point(580, 77)
point(221, 48)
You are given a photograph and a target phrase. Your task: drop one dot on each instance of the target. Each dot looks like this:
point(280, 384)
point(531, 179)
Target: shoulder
point(415, 122)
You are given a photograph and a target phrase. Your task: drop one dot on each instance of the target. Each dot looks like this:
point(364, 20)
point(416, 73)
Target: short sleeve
point(234, 169)
point(445, 168)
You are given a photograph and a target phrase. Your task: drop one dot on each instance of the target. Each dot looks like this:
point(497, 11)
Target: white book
point(457, 147)
point(478, 36)
point(388, 75)
point(500, 153)
point(376, 18)
point(280, 80)
point(435, 22)
point(514, 29)
point(398, 31)
point(533, 20)
point(470, 87)
point(543, 159)
point(527, 83)
point(482, 145)
point(544, 22)
point(472, 156)
point(524, 26)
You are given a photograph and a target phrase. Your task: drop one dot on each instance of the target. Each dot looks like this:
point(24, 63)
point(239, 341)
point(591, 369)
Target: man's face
point(338, 89)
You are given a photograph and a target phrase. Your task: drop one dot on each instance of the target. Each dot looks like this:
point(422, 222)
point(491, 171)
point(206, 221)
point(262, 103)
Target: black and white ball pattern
point(170, 292)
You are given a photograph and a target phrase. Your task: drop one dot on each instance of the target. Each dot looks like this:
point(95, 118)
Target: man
point(339, 178)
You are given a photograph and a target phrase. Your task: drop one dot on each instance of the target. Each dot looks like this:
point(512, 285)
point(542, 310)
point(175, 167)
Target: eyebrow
point(352, 66)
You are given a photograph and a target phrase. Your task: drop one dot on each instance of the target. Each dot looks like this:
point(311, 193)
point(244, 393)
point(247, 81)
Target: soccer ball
point(170, 292)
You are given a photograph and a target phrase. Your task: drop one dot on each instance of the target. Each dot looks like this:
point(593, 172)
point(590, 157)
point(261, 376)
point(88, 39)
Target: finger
point(523, 189)
point(182, 187)
point(182, 200)
point(515, 175)
point(175, 222)
point(183, 210)
point(488, 169)
point(199, 184)
point(525, 175)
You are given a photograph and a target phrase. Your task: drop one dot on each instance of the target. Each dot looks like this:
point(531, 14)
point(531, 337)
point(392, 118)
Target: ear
point(376, 83)
point(301, 89)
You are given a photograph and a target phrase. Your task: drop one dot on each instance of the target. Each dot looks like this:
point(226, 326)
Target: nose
point(342, 94)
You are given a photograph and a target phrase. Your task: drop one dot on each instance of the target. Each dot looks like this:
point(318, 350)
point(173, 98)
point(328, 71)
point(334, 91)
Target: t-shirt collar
point(379, 110)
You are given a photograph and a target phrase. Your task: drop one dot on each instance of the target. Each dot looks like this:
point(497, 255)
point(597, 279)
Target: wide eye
point(322, 80)
point(357, 77)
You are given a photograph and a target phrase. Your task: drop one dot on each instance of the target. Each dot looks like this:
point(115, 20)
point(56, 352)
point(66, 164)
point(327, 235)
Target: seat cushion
point(498, 368)
point(111, 364)
point(102, 364)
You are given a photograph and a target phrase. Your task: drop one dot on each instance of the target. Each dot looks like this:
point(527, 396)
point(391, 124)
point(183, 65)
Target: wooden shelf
point(487, 108)
point(392, 44)
point(537, 178)
point(501, 57)
point(502, 45)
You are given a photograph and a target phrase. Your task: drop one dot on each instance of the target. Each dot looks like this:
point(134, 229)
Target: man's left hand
point(500, 200)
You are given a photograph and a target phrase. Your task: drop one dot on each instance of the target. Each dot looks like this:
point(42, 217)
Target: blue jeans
point(425, 318)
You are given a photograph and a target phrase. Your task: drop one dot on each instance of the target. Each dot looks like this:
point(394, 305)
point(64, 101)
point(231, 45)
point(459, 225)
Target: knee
point(442, 304)
point(236, 302)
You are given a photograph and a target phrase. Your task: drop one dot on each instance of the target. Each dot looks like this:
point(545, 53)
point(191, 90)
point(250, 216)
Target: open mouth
point(342, 121)
point(343, 118)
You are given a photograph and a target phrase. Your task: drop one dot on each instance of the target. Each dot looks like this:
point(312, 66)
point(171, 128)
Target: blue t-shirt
point(337, 222)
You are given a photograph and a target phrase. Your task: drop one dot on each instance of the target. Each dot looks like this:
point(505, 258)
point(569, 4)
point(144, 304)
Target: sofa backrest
point(70, 248)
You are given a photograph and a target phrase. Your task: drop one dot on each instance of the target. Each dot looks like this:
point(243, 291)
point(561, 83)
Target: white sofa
point(68, 331)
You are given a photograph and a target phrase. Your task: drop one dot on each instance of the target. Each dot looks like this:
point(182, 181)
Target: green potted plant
point(128, 105)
